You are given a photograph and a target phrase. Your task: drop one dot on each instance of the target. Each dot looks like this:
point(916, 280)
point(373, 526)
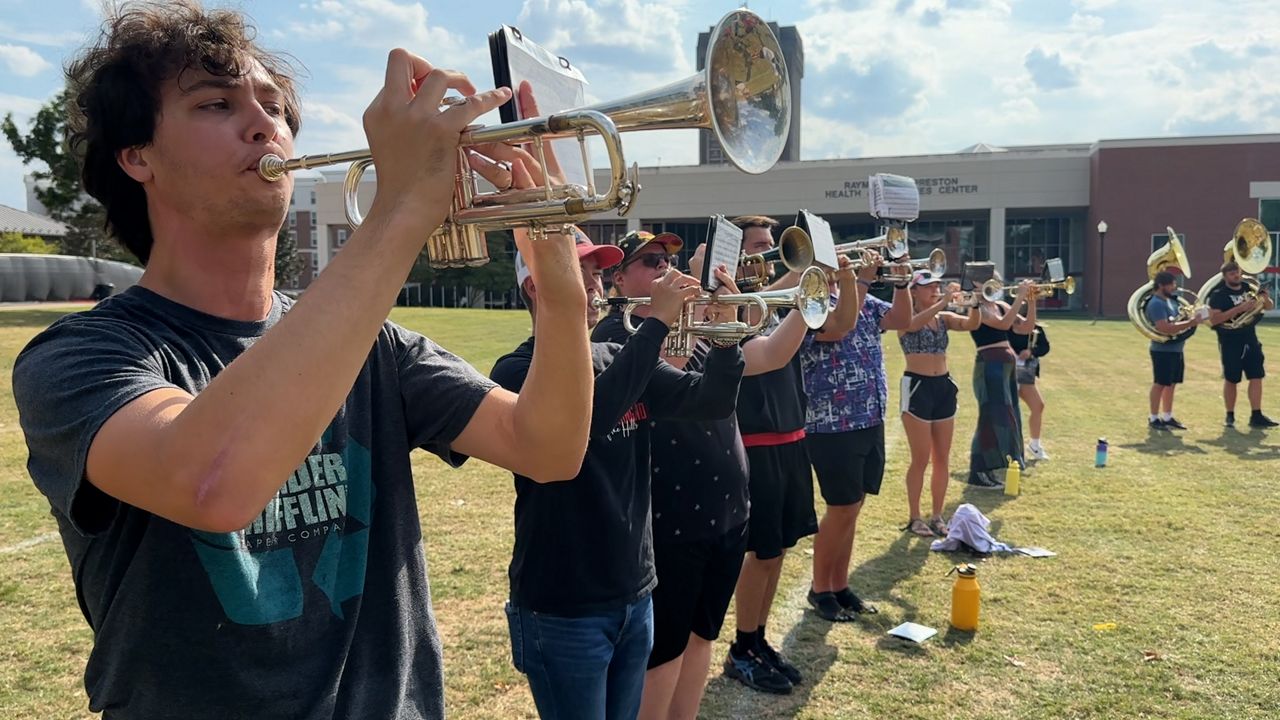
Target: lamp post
point(1102, 236)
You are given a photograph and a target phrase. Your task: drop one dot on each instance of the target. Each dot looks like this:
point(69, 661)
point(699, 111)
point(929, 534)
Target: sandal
point(919, 527)
point(938, 526)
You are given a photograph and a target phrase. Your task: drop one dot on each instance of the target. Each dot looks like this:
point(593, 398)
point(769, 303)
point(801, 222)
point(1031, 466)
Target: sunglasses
point(654, 260)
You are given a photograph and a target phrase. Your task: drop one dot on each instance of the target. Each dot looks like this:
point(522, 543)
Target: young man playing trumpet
point(229, 469)
point(699, 471)
point(582, 571)
point(771, 415)
point(1239, 348)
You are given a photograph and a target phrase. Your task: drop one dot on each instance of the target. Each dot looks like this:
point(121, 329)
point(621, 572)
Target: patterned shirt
point(845, 380)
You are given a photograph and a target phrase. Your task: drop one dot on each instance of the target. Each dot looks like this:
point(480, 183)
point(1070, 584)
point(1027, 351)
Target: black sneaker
point(779, 663)
point(755, 672)
point(1173, 424)
point(1230, 421)
point(854, 604)
point(1157, 424)
point(985, 480)
point(1259, 420)
point(828, 607)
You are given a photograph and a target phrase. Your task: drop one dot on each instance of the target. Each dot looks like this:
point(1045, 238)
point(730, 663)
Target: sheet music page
point(824, 243)
point(894, 197)
point(557, 86)
point(724, 247)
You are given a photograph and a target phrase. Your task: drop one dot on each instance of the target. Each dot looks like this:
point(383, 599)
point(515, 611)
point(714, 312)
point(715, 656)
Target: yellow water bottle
point(1013, 477)
point(966, 598)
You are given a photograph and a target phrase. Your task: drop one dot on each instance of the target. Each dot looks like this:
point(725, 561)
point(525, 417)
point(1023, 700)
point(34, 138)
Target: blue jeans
point(589, 667)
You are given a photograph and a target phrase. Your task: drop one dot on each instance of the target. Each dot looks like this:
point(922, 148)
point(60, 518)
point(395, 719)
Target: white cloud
point(22, 61)
point(612, 33)
point(384, 24)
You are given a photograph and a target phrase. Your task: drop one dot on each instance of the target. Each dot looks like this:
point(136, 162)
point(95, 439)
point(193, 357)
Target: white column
point(633, 223)
point(996, 239)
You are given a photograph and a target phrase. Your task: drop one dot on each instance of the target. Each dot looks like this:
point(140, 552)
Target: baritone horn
point(1250, 248)
point(743, 97)
point(810, 298)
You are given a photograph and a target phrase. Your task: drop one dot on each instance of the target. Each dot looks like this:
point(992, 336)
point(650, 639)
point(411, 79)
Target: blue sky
point(882, 77)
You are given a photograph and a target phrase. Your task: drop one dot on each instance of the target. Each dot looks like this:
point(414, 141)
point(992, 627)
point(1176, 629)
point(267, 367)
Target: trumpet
point(963, 301)
point(893, 243)
point(794, 250)
point(936, 264)
point(992, 290)
point(810, 298)
point(742, 96)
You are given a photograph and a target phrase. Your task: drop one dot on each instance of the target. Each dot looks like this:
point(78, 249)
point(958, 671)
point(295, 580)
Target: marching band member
point(1239, 348)
point(582, 571)
point(229, 469)
point(927, 401)
point(1167, 363)
point(998, 435)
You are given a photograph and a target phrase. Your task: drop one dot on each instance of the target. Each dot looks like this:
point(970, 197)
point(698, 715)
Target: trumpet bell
point(813, 298)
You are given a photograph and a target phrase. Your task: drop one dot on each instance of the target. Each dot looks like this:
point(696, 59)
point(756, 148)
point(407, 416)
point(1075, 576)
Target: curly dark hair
point(114, 85)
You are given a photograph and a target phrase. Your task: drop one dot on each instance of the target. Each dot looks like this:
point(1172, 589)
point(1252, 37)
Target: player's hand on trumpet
point(414, 141)
point(669, 293)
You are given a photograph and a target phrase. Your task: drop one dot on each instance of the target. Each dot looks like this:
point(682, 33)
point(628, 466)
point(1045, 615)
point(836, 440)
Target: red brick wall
point(1202, 191)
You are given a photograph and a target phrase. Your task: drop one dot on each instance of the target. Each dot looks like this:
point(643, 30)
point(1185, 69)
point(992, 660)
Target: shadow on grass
point(806, 644)
point(1247, 443)
point(1164, 442)
point(31, 318)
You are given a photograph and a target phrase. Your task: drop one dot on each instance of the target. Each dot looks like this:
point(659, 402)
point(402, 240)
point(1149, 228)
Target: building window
point(342, 237)
point(964, 241)
point(1159, 240)
point(293, 237)
point(291, 201)
point(293, 220)
point(1029, 242)
point(315, 263)
point(313, 197)
point(313, 220)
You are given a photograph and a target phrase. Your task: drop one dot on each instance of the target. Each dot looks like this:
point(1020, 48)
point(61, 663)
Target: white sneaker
point(1038, 453)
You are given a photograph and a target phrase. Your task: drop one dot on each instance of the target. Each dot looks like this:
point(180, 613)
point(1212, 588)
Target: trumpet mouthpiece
point(271, 167)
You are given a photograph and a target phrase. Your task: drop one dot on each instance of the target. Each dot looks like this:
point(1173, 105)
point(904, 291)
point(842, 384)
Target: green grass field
point(1174, 542)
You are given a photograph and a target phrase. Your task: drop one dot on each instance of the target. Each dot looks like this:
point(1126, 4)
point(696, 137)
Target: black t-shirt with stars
point(699, 468)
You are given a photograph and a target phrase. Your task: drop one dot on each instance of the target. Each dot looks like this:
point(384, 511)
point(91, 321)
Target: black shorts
point(1242, 357)
point(928, 397)
point(695, 583)
point(781, 487)
point(849, 465)
point(1167, 367)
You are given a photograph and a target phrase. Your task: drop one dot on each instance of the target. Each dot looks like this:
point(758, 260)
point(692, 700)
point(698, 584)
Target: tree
point(58, 185)
point(288, 263)
point(15, 242)
point(496, 276)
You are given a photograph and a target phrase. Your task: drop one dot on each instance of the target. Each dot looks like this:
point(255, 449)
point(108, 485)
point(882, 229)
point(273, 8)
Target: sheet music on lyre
point(557, 84)
point(894, 197)
point(824, 243)
point(724, 247)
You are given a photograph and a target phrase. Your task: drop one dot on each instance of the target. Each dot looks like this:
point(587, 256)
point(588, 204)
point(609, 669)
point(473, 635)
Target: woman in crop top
point(998, 436)
point(927, 400)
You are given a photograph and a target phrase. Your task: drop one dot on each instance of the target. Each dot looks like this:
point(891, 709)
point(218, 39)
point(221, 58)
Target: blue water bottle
point(1100, 457)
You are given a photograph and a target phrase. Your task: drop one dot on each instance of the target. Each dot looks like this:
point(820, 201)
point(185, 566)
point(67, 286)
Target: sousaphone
point(1250, 248)
point(1171, 257)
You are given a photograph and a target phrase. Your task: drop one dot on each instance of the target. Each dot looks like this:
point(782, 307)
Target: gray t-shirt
point(320, 607)
point(1163, 308)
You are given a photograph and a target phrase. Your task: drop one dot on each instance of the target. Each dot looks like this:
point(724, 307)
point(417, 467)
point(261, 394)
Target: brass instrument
point(794, 250)
point(893, 243)
point(967, 300)
point(936, 264)
point(810, 298)
point(1170, 256)
point(1250, 248)
point(993, 290)
point(742, 96)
